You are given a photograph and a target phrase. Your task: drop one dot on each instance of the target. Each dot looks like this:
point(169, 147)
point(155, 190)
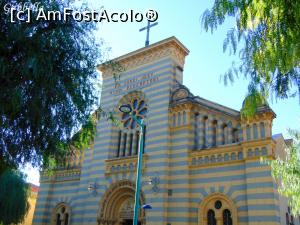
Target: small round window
point(218, 204)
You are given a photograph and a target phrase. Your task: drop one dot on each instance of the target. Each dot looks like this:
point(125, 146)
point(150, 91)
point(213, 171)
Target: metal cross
point(148, 29)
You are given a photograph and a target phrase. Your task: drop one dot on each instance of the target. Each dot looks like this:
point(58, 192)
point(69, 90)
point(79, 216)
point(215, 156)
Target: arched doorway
point(117, 205)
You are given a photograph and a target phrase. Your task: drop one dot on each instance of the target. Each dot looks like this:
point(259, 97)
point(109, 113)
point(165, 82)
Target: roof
point(276, 136)
point(187, 96)
point(34, 188)
point(289, 141)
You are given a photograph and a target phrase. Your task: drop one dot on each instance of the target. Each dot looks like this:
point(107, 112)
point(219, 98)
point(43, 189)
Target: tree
point(48, 85)
point(288, 174)
point(268, 32)
point(13, 197)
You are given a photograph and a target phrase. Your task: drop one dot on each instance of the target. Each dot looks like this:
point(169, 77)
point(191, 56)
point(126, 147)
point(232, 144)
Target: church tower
point(150, 75)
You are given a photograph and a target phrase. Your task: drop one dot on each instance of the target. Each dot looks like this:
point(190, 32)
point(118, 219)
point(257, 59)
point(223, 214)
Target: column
point(244, 132)
point(219, 132)
point(196, 131)
point(214, 132)
point(137, 134)
point(200, 131)
point(219, 220)
point(229, 133)
point(188, 117)
point(240, 133)
point(210, 132)
point(134, 143)
point(268, 128)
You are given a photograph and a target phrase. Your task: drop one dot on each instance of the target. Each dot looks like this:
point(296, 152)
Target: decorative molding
point(122, 165)
point(113, 199)
point(61, 175)
point(231, 153)
point(208, 203)
point(153, 53)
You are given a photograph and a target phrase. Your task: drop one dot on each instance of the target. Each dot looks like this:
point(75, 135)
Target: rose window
point(139, 109)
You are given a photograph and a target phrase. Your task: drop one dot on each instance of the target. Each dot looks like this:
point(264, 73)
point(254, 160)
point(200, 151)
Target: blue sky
point(206, 61)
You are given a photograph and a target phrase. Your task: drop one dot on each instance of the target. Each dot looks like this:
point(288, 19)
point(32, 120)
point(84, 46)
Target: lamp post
point(127, 109)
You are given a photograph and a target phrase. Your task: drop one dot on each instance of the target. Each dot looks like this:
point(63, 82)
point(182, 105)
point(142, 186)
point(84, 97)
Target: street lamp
point(126, 108)
point(92, 188)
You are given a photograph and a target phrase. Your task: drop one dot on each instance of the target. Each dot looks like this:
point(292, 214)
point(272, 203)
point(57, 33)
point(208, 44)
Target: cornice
point(171, 47)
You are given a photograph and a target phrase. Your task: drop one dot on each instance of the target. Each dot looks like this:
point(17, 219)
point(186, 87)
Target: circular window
point(139, 109)
point(218, 204)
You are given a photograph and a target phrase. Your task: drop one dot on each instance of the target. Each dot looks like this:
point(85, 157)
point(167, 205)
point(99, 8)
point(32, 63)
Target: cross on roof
point(148, 30)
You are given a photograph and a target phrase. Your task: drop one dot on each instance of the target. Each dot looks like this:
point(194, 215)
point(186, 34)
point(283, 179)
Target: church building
point(201, 160)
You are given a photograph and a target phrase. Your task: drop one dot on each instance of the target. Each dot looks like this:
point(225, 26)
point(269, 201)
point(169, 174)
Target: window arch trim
point(205, 205)
point(63, 215)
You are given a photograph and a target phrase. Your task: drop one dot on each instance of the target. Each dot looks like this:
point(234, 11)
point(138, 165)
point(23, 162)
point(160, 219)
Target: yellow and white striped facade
point(201, 157)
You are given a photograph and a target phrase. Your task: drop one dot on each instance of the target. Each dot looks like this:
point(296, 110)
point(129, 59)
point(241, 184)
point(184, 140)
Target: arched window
point(224, 134)
point(137, 138)
point(128, 136)
point(211, 220)
point(262, 130)
point(58, 221)
point(217, 209)
point(179, 119)
point(119, 144)
point(61, 215)
point(227, 220)
point(248, 132)
point(255, 131)
point(184, 118)
point(235, 135)
point(204, 141)
point(214, 133)
point(130, 143)
point(250, 152)
point(66, 219)
point(124, 144)
point(174, 120)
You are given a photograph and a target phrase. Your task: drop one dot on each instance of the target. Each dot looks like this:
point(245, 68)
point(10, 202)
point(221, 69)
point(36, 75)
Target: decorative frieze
point(168, 48)
point(61, 175)
point(233, 153)
point(122, 165)
point(212, 157)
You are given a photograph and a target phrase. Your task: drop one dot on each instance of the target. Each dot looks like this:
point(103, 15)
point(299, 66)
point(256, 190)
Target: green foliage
point(252, 102)
point(47, 86)
point(268, 32)
point(79, 141)
point(13, 197)
point(117, 69)
point(269, 38)
point(287, 171)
